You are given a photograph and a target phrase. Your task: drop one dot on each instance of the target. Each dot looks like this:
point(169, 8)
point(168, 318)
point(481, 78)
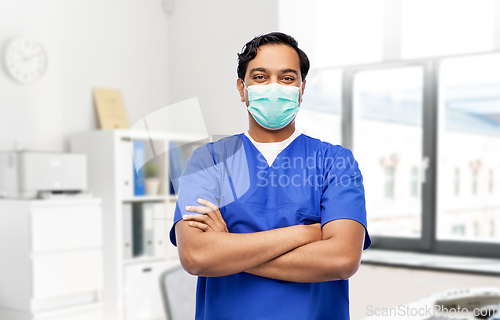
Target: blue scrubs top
point(310, 181)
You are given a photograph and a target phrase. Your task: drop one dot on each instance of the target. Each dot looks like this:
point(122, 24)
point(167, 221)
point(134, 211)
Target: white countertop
point(430, 261)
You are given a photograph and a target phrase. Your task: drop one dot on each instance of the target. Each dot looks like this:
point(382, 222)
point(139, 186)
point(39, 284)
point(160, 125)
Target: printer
point(31, 174)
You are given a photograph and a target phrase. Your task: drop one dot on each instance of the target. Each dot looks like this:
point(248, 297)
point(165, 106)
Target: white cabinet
point(66, 273)
point(82, 228)
point(131, 280)
point(142, 291)
point(51, 265)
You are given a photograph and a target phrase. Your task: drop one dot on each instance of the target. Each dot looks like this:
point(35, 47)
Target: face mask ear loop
point(245, 88)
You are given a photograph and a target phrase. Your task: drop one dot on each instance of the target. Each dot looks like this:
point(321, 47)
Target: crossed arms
point(300, 253)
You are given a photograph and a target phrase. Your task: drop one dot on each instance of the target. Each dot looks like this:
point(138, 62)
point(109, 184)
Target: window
point(387, 135)
point(414, 182)
point(469, 138)
point(456, 182)
point(450, 27)
point(458, 230)
point(335, 32)
point(491, 179)
point(320, 114)
point(389, 182)
point(397, 121)
point(425, 130)
point(474, 181)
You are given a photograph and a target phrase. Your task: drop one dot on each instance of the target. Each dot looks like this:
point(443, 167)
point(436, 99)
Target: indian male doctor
point(272, 221)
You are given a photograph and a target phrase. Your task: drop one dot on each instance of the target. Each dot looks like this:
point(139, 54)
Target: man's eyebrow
point(258, 69)
point(289, 70)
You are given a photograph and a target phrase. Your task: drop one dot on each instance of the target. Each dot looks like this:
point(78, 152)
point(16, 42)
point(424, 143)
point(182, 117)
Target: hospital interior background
point(375, 52)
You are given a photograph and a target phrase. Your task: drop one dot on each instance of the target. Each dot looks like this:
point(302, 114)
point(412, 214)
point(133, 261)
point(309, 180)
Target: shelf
point(143, 259)
point(110, 159)
point(146, 198)
point(170, 197)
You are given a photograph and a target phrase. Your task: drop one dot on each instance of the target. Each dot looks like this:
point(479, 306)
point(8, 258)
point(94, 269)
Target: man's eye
point(259, 77)
point(288, 79)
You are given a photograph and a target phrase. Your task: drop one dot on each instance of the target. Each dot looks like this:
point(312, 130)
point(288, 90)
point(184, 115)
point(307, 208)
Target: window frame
point(428, 241)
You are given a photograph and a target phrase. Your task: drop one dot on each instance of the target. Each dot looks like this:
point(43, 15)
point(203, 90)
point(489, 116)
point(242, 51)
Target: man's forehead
point(275, 58)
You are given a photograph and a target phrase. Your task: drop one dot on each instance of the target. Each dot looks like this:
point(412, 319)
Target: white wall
point(112, 43)
point(204, 38)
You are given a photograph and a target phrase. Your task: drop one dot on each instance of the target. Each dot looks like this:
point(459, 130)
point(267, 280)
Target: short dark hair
point(249, 51)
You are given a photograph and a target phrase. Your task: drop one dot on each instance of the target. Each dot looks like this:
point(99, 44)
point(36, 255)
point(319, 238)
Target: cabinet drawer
point(93, 314)
point(66, 227)
point(66, 273)
point(143, 298)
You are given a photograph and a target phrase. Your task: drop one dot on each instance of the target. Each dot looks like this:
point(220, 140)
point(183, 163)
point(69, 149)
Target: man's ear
point(241, 88)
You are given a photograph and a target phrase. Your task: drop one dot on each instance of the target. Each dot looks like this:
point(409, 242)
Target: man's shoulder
point(222, 146)
point(220, 141)
point(326, 148)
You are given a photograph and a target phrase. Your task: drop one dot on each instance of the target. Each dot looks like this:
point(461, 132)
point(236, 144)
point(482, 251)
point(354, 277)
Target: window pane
point(432, 28)
point(469, 149)
point(348, 35)
point(335, 32)
point(389, 182)
point(387, 145)
point(414, 182)
point(320, 112)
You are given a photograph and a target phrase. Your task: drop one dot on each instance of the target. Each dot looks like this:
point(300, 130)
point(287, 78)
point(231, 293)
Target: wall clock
point(25, 60)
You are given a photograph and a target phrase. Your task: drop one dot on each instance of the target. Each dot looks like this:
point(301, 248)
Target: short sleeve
point(343, 192)
point(198, 180)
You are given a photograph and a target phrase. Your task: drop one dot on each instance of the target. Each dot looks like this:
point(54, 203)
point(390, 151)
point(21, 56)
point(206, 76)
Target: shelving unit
point(131, 285)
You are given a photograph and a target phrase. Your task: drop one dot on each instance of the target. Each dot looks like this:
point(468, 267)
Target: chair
point(178, 290)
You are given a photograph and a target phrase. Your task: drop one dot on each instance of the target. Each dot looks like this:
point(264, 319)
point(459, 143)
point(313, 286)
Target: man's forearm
point(214, 254)
point(315, 262)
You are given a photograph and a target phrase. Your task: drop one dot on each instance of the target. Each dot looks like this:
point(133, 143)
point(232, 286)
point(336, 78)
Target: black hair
point(249, 51)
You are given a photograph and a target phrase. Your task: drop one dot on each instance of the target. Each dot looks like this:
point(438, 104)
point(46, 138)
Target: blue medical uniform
point(310, 181)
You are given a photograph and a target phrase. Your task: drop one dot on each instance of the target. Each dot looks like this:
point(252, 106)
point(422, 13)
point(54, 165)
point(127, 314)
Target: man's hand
point(214, 254)
point(210, 218)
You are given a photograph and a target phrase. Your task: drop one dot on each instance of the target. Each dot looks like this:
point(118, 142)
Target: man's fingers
point(199, 225)
point(219, 223)
point(208, 204)
point(213, 217)
point(198, 209)
point(202, 218)
point(214, 209)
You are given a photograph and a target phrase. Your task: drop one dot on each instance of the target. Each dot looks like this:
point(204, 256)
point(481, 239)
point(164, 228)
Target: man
point(271, 220)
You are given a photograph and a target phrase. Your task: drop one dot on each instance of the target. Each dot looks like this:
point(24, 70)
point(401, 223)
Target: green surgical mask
point(273, 106)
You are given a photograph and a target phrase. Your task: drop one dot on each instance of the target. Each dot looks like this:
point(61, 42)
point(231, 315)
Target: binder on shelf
point(137, 229)
point(127, 177)
point(139, 159)
point(127, 231)
point(148, 233)
point(160, 224)
point(177, 165)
